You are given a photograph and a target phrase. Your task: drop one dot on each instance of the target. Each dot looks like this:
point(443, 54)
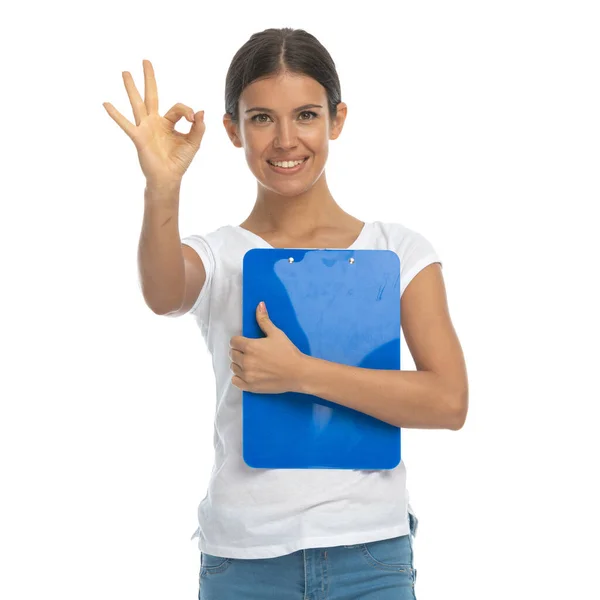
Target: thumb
point(197, 130)
point(264, 322)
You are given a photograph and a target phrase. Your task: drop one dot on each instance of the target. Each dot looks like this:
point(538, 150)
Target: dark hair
point(274, 51)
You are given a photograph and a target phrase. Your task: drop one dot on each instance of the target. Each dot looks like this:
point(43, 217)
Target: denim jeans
point(381, 570)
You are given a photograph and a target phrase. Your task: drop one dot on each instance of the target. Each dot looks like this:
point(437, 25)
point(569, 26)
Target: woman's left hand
point(269, 365)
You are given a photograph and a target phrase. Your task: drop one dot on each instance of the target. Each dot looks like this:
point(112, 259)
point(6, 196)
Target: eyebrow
point(303, 107)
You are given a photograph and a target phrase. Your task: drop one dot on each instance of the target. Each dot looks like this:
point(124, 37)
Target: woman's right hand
point(164, 153)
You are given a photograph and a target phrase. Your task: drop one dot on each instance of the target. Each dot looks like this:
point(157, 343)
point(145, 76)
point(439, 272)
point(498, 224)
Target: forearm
point(160, 257)
point(417, 399)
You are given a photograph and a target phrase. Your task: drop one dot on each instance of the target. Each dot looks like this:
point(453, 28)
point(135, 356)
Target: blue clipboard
point(338, 305)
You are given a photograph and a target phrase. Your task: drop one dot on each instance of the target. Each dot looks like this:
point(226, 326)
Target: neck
point(295, 215)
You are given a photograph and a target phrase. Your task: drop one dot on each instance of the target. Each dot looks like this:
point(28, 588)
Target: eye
point(309, 112)
point(257, 119)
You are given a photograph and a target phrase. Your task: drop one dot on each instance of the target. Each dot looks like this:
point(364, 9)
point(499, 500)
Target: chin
point(290, 190)
point(291, 187)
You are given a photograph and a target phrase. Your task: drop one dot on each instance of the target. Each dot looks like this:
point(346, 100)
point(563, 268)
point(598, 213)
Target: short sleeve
point(417, 252)
point(200, 244)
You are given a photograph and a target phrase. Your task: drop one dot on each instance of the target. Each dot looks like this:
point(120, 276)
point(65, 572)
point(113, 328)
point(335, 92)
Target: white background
point(475, 123)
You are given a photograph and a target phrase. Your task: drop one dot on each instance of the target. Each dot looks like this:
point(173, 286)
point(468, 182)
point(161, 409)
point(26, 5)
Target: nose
point(285, 134)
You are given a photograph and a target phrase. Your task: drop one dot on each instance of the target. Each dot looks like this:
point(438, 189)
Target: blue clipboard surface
point(338, 305)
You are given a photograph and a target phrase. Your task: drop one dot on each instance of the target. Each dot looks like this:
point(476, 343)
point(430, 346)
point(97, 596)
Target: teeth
point(287, 164)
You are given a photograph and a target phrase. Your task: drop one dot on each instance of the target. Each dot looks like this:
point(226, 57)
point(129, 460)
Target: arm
point(433, 397)
point(161, 264)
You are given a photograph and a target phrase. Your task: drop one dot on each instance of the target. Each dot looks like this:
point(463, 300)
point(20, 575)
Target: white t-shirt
point(265, 513)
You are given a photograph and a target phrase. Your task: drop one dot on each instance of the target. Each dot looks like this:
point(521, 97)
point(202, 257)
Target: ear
point(337, 123)
point(232, 130)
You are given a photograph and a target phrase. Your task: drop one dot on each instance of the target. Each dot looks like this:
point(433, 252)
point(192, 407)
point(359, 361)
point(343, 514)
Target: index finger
point(150, 90)
point(238, 342)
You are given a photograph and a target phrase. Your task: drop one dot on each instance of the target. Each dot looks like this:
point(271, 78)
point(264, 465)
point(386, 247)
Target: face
point(281, 118)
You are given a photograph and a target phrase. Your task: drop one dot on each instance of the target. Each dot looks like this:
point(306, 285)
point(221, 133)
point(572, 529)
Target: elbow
point(459, 406)
point(458, 422)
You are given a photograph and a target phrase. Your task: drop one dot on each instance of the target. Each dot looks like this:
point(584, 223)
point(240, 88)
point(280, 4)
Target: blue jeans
point(381, 570)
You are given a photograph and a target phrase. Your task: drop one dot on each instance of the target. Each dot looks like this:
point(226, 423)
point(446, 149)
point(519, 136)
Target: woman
point(291, 533)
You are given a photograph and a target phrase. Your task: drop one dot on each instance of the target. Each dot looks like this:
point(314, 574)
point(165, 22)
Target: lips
point(291, 171)
point(271, 160)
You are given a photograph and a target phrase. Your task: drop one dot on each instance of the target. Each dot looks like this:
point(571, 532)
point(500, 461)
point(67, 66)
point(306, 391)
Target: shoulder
point(211, 243)
point(399, 235)
point(410, 244)
point(211, 237)
point(413, 248)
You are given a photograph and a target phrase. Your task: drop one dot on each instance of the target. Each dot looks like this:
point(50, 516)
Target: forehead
point(283, 92)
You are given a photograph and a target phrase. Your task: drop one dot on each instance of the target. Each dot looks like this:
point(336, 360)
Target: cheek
point(258, 148)
point(318, 142)
point(315, 136)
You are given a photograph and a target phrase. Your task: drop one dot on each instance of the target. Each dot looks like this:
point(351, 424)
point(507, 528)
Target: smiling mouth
point(273, 165)
point(288, 171)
